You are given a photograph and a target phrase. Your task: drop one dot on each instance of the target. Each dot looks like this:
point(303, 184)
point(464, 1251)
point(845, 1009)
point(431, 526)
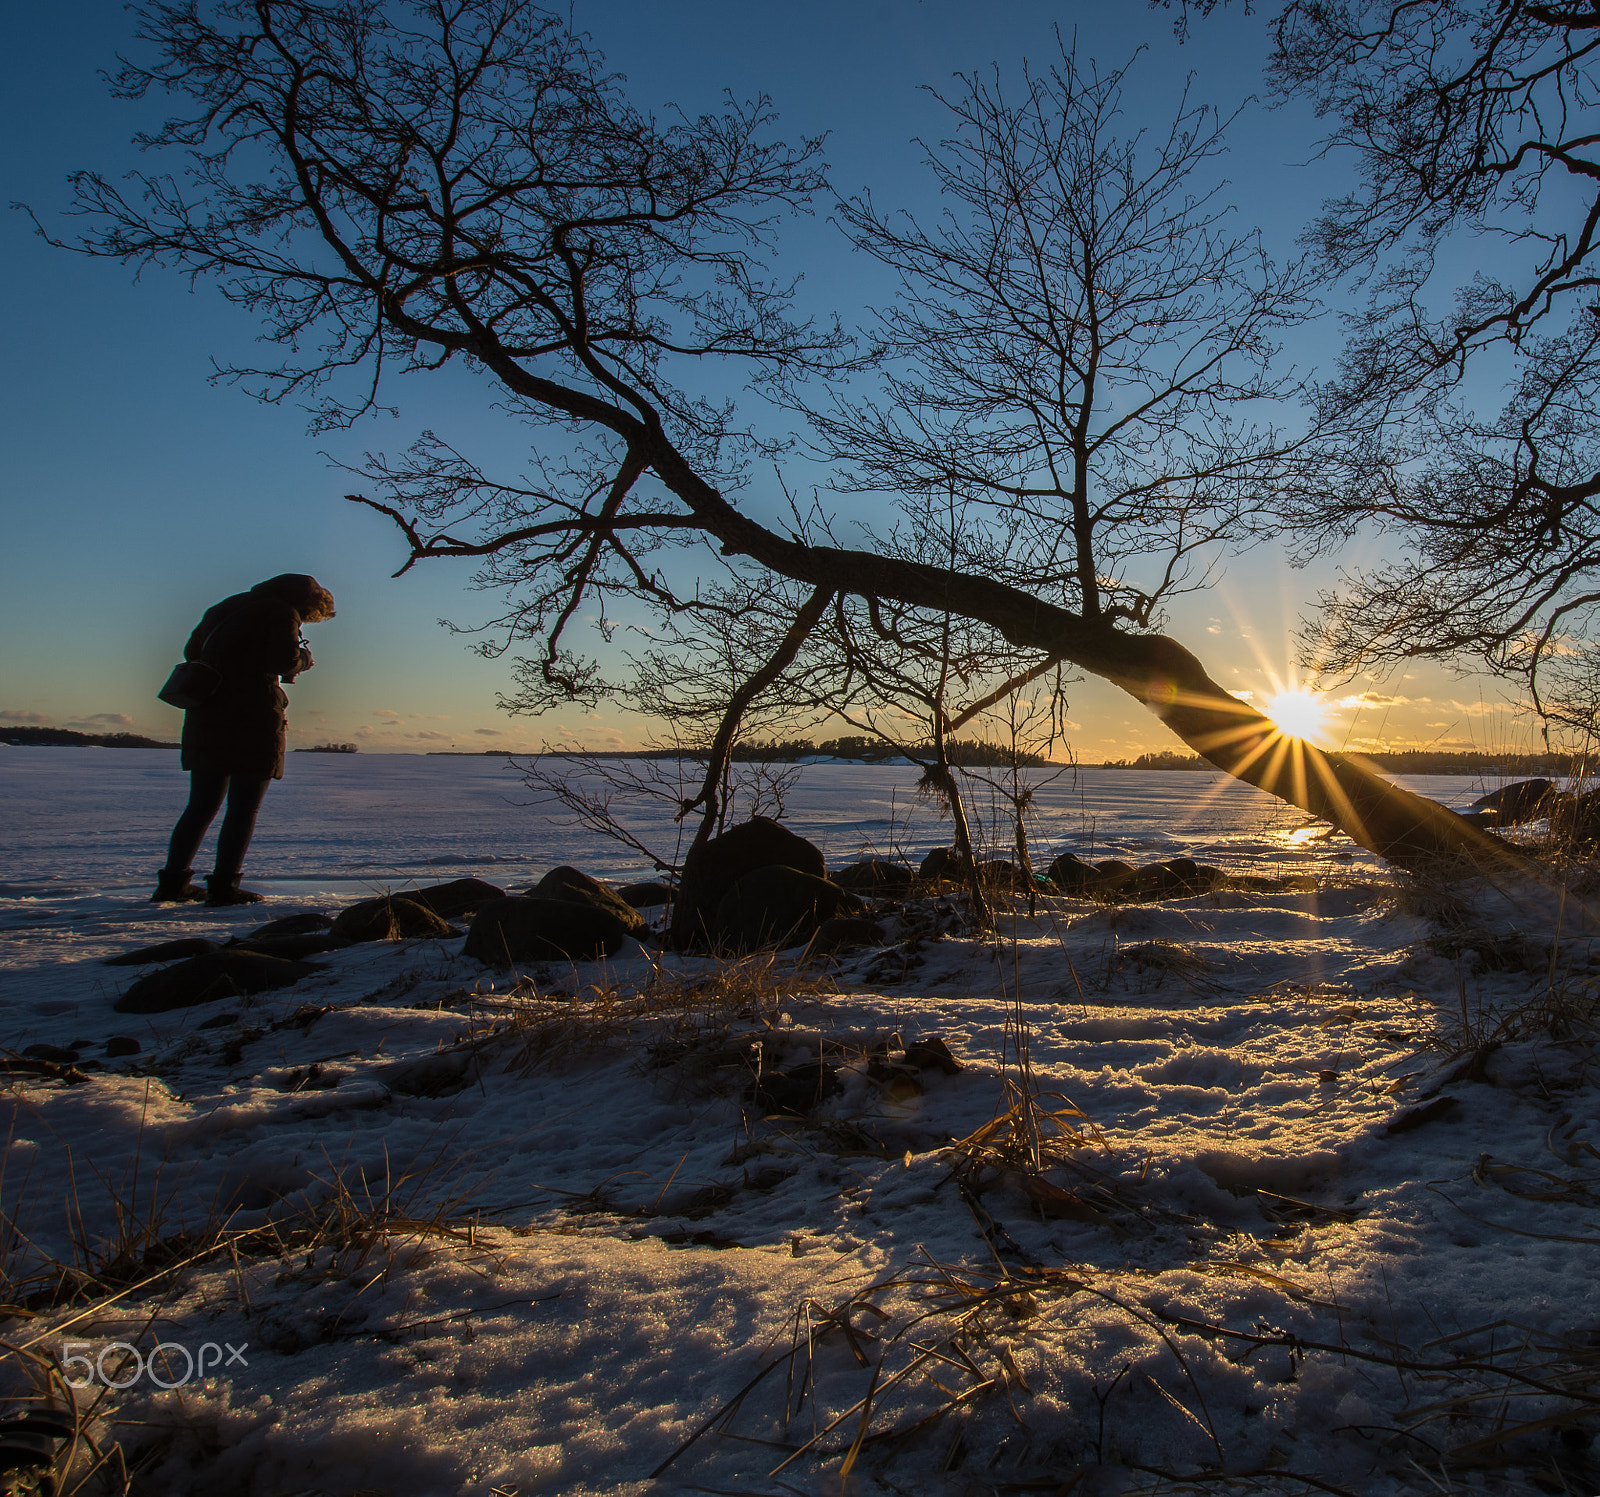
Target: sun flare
point(1299, 714)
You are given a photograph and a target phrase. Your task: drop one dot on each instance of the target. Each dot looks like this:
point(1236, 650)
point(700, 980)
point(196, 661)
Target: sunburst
point(1299, 714)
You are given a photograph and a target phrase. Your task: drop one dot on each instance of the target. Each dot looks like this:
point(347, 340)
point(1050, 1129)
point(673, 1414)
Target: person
point(233, 744)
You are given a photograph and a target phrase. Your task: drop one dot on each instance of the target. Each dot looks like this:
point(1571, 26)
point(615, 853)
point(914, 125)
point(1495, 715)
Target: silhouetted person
point(233, 744)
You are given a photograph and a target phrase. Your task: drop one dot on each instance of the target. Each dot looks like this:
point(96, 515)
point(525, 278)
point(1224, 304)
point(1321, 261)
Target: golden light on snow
point(1299, 713)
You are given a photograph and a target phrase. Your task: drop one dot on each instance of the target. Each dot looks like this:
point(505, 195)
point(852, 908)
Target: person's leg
point(233, 841)
point(206, 792)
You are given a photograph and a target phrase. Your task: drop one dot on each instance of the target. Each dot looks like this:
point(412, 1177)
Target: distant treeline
point(971, 753)
point(331, 748)
point(1408, 761)
point(67, 738)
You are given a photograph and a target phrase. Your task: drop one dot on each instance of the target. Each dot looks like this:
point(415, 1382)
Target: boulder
point(846, 933)
point(646, 896)
point(120, 1045)
point(876, 876)
point(306, 923)
point(524, 929)
point(60, 1054)
point(1512, 805)
point(943, 862)
point(389, 918)
point(999, 874)
point(578, 888)
point(459, 897)
point(1177, 878)
point(204, 979)
point(311, 943)
point(714, 867)
point(1071, 875)
point(164, 951)
point(777, 906)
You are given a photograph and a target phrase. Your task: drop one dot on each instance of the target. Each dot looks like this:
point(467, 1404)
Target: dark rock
point(777, 906)
point(713, 868)
point(943, 862)
point(389, 918)
point(56, 1053)
point(164, 951)
point(999, 874)
point(796, 1090)
point(306, 923)
point(931, 1054)
point(876, 876)
point(459, 897)
point(578, 888)
point(1114, 869)
point(523, 929)
point(1177, 878)
point(1577, 817)
point(294, 947)
point(122, 1044)
point(205, 979)
point(845, 933)
point(646, 896)
point(1527, 800)
point(218, 1021)
point(1071, 875)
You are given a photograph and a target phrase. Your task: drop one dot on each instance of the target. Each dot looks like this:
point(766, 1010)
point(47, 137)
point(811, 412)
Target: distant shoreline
point(70, 738)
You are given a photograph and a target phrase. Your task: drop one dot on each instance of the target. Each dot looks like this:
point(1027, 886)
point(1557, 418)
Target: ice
point(482, 1235)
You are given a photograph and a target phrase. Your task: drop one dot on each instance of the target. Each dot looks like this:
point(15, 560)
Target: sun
point(1299, 714)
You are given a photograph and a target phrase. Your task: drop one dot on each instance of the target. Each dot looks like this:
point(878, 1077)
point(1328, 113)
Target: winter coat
point(252, 639)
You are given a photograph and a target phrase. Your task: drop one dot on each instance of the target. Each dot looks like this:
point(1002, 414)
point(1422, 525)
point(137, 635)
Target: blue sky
point(136, 493)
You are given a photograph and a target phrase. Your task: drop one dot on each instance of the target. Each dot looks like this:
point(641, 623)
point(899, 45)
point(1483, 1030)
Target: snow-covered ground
point(1305, 1194)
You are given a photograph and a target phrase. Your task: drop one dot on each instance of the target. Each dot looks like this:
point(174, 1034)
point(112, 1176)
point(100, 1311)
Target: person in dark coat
point(233, 744)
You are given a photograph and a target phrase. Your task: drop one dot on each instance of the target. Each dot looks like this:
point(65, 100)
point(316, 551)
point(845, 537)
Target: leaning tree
point(410, 185)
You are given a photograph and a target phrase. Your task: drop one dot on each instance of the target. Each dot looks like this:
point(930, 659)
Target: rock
point(645, 896)
point(164, 951)
point(712, 869)
point(389, 918)
point(931, 1054)
point(846, 933)
point(796, 1090)
point(57, 1054)
point(1177, 878)
point(307, 922)
point(876, 876)
point(1527, 800)
point(459, 897)
point(294, 947)
point(578, 888)
point(1114, 869)
point(1071, 875)
point(999, 874)
point(776, 906)
point(943, 862)
point(524, 929)
point(204, 979)
point(122, 1044)
point(1577, 817)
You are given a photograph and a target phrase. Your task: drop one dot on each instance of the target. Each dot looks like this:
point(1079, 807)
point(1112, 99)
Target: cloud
point(104, 720)
point(388, 712)
point(489, 732)
point(431, 737)
point(27, 719)
point(1213, 628)
point(1243, 696)
point(430, 717)
point(1071, 726)
point(1376, 699)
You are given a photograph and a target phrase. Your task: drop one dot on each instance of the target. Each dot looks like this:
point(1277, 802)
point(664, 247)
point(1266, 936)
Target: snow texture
point(1310, 1186)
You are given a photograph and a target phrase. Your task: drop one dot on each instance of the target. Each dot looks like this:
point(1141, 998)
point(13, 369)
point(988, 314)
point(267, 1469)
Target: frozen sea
point(82, 821)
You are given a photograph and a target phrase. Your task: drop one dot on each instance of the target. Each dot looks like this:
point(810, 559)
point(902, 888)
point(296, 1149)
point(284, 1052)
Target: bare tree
point(1467, 120)
point(457, 181)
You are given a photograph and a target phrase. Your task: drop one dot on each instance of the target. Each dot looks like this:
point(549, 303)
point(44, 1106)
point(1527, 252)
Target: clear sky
point(136, 493)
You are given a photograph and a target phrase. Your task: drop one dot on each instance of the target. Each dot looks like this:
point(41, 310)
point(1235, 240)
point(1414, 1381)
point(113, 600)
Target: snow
point(485, 1232)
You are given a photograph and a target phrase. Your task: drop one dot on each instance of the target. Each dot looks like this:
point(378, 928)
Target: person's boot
point(222, 891)
point(173, 887)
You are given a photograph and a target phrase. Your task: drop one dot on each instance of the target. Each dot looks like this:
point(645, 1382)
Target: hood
point(302, 592)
